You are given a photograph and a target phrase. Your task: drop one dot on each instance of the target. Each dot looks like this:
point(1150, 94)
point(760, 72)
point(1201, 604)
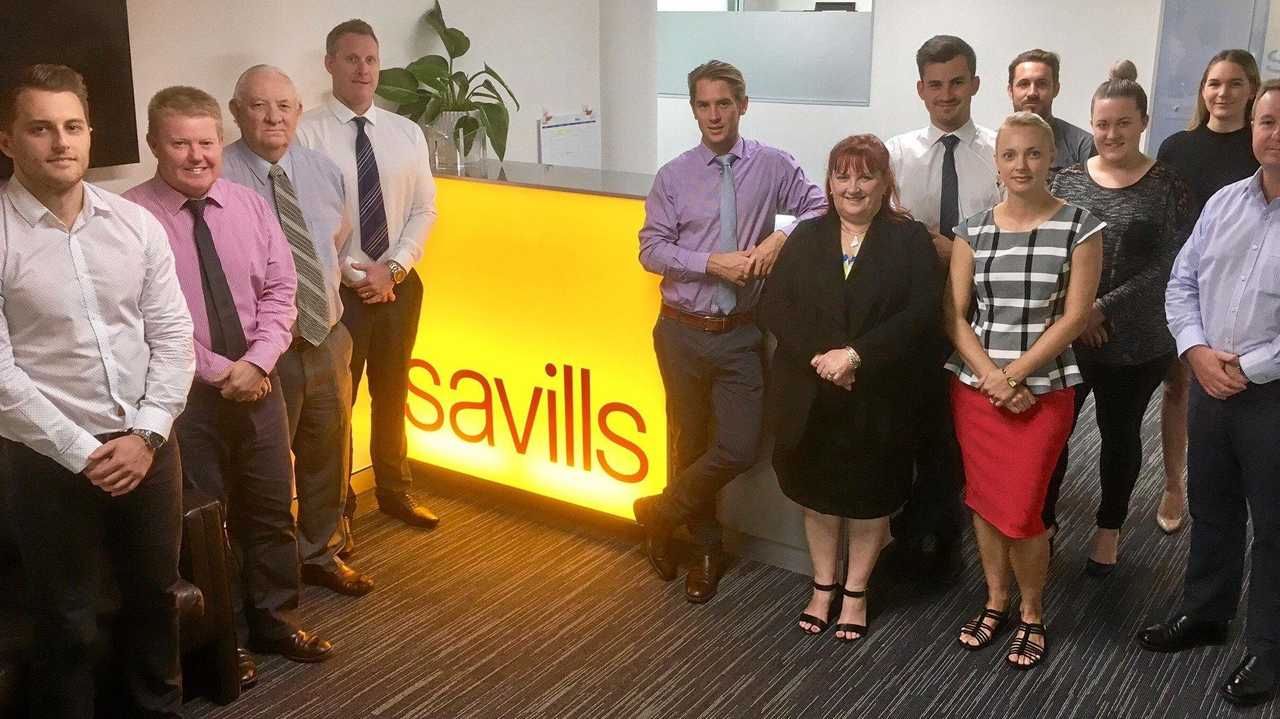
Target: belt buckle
point(717, 324)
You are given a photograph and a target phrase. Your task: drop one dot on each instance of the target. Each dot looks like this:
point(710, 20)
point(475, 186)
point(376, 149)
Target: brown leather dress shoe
point(340, 578)
point(704, 577)
point(248, 668)
point(405, 508)
point(657, 538)
point(298, 647)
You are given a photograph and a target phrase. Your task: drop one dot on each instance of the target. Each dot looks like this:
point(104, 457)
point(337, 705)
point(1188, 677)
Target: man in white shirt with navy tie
point(946, 172)
point(390, 198)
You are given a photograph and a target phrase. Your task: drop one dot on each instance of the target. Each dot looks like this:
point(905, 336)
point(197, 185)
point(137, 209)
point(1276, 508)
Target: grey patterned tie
point(726, 292)
point(313, 305)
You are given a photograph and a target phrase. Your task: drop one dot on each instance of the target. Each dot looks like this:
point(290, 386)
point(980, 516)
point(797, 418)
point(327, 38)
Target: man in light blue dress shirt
point(1223, 307)
point(314, 376)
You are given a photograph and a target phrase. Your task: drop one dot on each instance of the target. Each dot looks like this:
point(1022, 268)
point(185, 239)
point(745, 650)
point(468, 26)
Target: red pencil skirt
point(1008, 458)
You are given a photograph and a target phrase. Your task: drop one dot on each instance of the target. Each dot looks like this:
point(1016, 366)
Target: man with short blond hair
point(390, 198)
point(237, 273)
point(95, 363)
point(305, 189)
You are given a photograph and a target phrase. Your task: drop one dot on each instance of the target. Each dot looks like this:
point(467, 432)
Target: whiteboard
point(569, 140)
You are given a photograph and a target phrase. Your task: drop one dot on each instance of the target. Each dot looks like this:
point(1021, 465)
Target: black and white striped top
point(1019, 286)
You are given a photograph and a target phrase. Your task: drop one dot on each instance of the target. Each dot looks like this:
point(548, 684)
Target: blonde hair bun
point(1124, 70)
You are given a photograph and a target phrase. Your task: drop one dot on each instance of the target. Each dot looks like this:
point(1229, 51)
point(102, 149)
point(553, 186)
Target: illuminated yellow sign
point(534, 363)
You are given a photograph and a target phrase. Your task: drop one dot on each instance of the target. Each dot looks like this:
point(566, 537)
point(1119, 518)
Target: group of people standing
point(205, 333)
point(943, 306)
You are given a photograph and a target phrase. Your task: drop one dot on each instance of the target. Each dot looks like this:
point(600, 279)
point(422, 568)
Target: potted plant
point(461, 109)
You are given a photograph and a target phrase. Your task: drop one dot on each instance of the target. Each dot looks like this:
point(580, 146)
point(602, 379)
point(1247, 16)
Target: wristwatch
point(153, 440)
point(398, 272)
point(855, 360)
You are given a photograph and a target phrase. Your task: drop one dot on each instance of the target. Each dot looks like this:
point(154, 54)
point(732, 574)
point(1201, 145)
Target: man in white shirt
point(946, 172)
point(390, 197)
point(96, 358)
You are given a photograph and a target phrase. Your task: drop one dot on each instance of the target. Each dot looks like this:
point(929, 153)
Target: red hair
point(867, 152)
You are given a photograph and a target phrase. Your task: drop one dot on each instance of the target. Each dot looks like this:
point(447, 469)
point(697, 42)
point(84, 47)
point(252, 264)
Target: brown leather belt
point(708, 323)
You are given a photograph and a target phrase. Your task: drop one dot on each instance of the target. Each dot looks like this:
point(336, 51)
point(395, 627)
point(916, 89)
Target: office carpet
point(504, 613)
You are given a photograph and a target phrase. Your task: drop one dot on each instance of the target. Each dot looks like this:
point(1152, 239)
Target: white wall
point(547, 50)
point(628, 85)
point(1086, 33)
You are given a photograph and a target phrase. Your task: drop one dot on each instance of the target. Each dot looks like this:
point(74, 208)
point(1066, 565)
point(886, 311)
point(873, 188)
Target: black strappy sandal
point(980, 630)
point(1022, 646)
point(861, 629)
point(821, 624)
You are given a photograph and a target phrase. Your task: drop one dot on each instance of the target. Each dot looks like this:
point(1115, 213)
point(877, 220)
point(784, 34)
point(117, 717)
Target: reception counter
point(534, 365)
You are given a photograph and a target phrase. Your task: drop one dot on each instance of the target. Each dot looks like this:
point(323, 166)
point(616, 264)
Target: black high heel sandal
point(1022, 646)
point(847, 628)
point(980, 630)
point(821, 624)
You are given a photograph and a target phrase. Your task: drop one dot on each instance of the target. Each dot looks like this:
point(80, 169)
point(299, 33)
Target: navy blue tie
point(373, 215)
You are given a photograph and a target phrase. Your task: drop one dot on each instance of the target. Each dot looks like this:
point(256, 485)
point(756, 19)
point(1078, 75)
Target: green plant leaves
point(435, 18)
point(490, 71)
point(428, 68)
point(434, 107)
point(456, 43)
point(397, 85)
point(467, 127)
point(496, 121)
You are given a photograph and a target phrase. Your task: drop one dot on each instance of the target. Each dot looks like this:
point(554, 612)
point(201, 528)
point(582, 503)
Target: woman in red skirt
point(1030, 265)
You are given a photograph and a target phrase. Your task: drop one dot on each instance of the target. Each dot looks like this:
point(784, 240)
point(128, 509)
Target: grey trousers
point(316, 384)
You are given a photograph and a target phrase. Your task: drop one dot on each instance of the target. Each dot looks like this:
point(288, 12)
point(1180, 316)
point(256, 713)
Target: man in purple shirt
point(708, 231)
point(237, 274)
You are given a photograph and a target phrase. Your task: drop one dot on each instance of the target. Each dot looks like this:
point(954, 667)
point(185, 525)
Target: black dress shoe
point(1182, 632)
point(339, 578)
point(1253, 682)
point(704, 577)
point(405, 508)
point(657, 538)
point(248, 668)
point(1098, 569)
point(349, 539)
point(298, 647)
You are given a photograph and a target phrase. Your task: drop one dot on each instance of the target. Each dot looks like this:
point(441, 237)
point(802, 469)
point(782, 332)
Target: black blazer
point(888, 310)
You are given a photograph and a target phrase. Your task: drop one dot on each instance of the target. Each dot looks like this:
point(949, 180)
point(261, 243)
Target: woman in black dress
point(1211, 154)
point(853, 301)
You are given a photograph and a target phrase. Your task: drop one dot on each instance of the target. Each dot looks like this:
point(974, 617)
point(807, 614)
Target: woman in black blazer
point(854, 301)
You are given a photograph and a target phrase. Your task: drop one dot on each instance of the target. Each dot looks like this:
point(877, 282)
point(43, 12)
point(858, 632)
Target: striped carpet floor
point(504, 613)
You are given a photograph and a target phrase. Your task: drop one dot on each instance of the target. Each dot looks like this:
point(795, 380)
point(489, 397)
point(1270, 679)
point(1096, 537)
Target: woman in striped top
point(1032, 264)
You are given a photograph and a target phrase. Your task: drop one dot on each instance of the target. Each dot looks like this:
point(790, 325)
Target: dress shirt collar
point(173, 201)
point(1253, 191)
point(345, 114)
point(261, 167)
point(966, 132)
point(34, 212)
point(740, 150)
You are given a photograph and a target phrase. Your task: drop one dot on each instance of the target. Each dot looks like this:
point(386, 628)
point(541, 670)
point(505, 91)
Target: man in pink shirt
point(237, 274)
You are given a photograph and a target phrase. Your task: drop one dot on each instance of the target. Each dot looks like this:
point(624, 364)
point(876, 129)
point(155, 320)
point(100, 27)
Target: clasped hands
point(118, 466)
point(1219, 373)
point(377, 285)
point(743, 266)
point(243, 381)
point(995, 387)
point(833, 366)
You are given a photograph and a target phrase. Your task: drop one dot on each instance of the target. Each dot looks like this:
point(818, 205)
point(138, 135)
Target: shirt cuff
point(76, 457)
point(698, 262)
point(403, 259)
point(1260, 365)
point(1188, 338)
point(155, 420)
point(262, 357)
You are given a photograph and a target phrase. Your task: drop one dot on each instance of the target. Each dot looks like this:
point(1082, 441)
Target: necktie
point(313, 305)
point(949, 212)
point(226, 335)
point(726, 298)
point(373, 215)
